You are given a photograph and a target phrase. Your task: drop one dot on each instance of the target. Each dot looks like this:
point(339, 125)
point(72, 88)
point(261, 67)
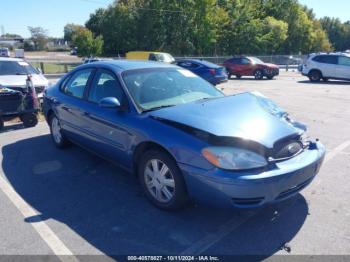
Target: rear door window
point(188, 65)
point(344, 61)
point(326, 59)
point(76, 85)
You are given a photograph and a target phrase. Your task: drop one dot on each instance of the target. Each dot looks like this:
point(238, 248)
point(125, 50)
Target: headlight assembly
point(231, 158)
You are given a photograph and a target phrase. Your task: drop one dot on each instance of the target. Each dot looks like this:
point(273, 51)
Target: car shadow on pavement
point(330, 82)
point(104, 206)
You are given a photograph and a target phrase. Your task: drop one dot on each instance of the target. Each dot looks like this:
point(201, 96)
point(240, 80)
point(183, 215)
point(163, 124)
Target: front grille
point(287, 148)
point(247, 202)
point(10, 102)
point(293, 190)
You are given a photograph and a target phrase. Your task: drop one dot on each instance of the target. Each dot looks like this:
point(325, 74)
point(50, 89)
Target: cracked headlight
point(231, 158)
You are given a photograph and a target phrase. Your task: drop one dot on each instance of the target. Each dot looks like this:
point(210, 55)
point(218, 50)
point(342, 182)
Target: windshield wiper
point(157, 107)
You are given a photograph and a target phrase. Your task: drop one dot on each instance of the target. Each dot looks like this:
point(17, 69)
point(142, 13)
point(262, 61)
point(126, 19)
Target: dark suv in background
point(250, 66)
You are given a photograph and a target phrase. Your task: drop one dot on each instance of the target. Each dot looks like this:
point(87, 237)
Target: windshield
point(166, 58)
point(154, 88)
point(256, 60)
point(16, 68)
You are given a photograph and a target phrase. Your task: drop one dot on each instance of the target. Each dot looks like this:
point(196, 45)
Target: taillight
point(212, 71)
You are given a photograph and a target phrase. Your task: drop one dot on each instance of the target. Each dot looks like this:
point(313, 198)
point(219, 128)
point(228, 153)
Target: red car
point(250, 66)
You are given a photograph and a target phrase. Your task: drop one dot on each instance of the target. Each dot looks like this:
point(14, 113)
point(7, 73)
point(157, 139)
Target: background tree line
point(208, 27)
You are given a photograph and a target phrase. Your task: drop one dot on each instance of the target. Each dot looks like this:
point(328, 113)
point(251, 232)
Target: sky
point(53, 15)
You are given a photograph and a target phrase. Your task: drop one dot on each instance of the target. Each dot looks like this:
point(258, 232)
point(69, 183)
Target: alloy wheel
point(159, 180)
point(56, 130)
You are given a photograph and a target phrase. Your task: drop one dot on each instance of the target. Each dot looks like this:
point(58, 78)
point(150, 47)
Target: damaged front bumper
point(254, 188)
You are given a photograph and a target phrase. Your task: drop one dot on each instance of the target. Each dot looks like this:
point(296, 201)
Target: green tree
point(69, 30)
point(338, 32)
point(39, 37)
point(85, 42)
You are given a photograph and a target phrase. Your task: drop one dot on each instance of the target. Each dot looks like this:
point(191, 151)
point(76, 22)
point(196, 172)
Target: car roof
point(123, 65)
point(11, 59)
point(198, 61)
point(331, 54)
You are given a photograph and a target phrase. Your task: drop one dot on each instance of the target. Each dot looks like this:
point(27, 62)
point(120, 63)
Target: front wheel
point(56, 133)
point(162, 181)
point(315, 76)
point(259, 75)
point(29, 120)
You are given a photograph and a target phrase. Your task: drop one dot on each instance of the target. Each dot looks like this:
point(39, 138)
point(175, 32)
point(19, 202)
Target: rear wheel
point(56, 133)
point(228, 73)
point(315, 76)
point(162, 181)
point(259, 75)
point(29, 120)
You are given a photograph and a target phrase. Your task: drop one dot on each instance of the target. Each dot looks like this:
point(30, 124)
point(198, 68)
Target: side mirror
point(109, 102)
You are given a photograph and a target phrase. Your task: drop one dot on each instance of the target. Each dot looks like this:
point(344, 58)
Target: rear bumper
point(218, 80)
point(251, 189)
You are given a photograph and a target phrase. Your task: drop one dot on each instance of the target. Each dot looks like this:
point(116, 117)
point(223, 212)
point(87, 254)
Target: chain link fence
point(60, 67)
point(281, 60)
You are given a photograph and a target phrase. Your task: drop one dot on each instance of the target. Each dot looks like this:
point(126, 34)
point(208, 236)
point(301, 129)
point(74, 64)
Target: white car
point(14, 72)
point(327, 66)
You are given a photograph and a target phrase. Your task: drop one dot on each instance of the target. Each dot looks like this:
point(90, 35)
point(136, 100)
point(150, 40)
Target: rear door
point(327, 64)
point(343, 69)
point(69, 109)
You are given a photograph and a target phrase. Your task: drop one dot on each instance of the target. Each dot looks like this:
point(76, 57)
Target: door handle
point(66, 109)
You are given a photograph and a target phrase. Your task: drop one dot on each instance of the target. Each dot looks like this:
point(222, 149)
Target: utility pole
point(2, 30)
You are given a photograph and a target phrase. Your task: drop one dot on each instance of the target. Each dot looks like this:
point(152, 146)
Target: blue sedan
point(183, 138)
point(213, 73)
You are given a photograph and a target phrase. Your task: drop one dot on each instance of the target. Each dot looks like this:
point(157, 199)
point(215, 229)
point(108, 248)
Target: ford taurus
point(183, 138)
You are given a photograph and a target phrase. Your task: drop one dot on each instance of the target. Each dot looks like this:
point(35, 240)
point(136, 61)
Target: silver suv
point(327, 66)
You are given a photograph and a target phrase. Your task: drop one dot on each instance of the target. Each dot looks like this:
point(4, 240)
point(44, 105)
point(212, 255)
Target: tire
point(1, 124)
point(315, 76)
point(58, 138)
point(229, 75)
point(238, 76)
point(29, 120)
point(259, 74)
point(166, 191)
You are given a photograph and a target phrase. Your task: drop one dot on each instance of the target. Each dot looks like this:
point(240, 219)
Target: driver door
point(106, 127)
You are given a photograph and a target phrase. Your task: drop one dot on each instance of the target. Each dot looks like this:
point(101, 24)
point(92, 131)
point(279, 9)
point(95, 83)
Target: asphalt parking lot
point(72, 202)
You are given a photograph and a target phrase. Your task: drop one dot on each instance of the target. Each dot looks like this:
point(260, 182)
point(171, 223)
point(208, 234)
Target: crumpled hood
point(20, 80)
point(247, 115)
